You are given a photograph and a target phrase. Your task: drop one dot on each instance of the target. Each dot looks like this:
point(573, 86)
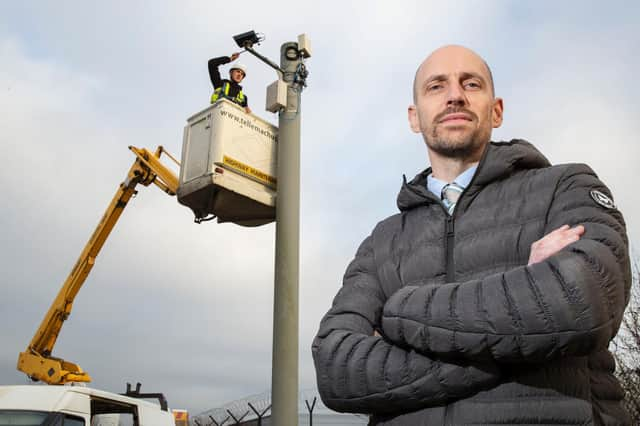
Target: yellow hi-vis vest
point(223, 92)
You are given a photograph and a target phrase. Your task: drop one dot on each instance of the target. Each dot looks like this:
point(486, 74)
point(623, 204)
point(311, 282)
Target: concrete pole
point(284, 372)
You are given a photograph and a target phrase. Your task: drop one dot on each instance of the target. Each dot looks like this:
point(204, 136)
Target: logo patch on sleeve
point(602, 199)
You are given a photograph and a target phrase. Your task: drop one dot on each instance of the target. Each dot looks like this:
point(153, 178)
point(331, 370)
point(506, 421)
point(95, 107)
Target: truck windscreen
point(22, 418)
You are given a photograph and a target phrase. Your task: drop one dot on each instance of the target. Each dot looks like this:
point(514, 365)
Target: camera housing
point(246, 39)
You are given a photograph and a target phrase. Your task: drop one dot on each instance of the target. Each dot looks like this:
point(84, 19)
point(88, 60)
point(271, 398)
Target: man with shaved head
point(491, 298)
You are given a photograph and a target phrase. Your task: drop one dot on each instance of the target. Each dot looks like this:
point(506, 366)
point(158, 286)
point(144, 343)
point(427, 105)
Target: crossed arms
point(360, 372)
point(447, 342)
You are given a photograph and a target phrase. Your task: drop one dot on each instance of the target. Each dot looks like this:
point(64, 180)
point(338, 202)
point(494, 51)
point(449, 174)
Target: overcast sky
point(186, 309)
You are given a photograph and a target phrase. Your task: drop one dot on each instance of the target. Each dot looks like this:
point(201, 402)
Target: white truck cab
point(37, 405)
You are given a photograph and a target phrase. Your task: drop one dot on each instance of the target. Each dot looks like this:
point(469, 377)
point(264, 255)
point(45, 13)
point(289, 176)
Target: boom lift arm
point(36, 361)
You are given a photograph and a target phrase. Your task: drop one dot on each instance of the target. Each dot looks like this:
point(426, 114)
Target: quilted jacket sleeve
point(360, 372)
point(570, 304)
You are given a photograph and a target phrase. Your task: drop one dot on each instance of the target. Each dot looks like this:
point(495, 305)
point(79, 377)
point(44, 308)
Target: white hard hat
point(240, 67)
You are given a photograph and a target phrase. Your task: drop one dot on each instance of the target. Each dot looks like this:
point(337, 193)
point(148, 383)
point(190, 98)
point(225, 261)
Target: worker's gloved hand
point(234, 56)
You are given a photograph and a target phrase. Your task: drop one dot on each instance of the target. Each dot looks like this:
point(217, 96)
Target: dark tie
point(450, 194)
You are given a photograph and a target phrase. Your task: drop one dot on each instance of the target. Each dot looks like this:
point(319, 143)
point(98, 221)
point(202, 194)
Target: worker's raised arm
point(214, 73)
point(358, 371)
point(569, 303)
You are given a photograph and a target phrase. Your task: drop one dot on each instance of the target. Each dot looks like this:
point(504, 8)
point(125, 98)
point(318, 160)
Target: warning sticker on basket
point(249, 171)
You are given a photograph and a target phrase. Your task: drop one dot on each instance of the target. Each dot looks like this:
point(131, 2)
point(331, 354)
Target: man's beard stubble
point(462, 147)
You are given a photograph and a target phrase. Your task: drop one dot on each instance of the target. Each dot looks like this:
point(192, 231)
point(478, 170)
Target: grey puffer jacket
point(440, 322)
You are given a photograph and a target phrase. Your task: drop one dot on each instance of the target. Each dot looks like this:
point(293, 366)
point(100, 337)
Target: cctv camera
point(246, 39)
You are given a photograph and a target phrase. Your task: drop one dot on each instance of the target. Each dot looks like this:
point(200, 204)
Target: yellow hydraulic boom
point(36, 361)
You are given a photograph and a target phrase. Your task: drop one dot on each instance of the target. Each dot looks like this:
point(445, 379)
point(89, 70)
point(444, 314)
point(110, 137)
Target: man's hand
point(247, 110)
point(234, 56)
point(553, 242)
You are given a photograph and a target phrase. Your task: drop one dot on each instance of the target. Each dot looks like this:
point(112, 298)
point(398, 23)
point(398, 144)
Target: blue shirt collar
point(435, 185)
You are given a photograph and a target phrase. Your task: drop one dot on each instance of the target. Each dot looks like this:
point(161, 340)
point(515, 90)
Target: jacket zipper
point(450, 223)
point(450, 241)
point(450, 226)
point(450, 244)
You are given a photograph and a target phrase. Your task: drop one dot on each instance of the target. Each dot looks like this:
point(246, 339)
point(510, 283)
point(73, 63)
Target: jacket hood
point(499, 160)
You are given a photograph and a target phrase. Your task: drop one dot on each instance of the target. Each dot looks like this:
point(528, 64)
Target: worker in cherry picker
point(228, 88)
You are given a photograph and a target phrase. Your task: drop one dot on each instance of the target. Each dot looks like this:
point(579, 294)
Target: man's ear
point(414, 122)
point(498, 113)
